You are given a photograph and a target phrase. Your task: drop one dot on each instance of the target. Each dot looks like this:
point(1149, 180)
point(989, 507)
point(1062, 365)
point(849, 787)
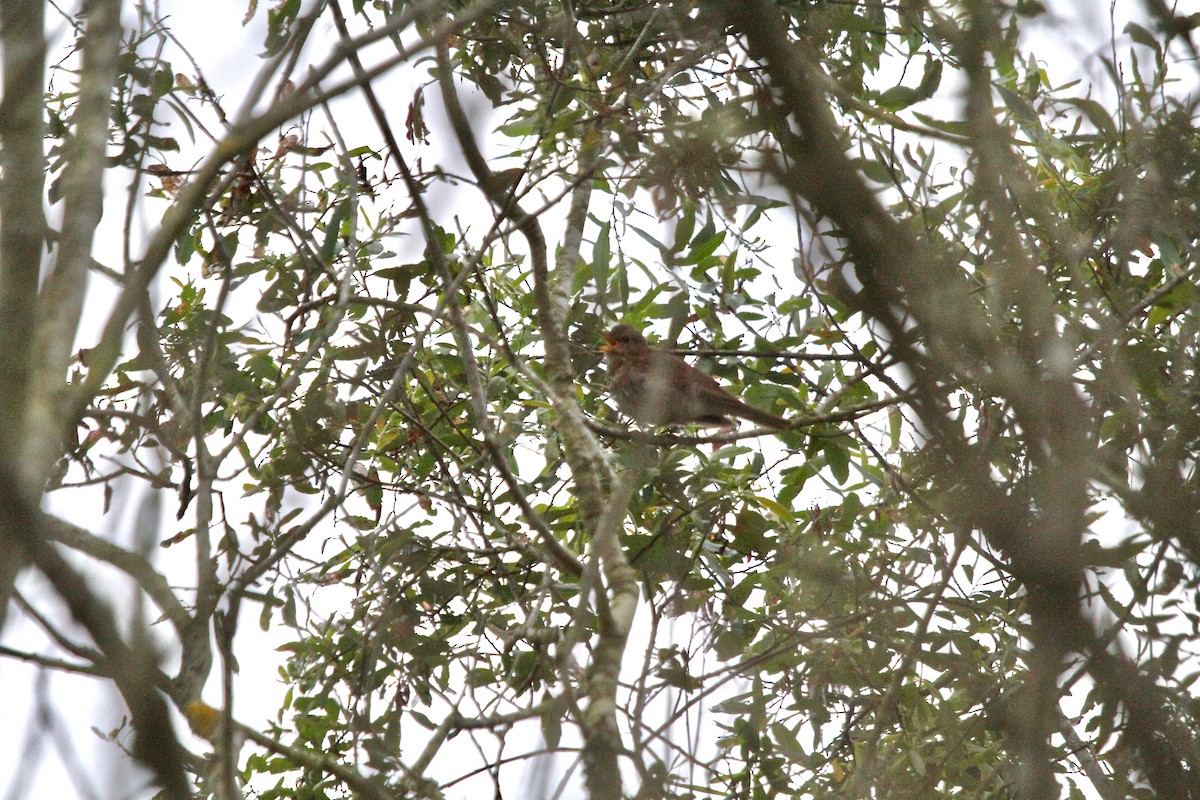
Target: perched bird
point(656, 388)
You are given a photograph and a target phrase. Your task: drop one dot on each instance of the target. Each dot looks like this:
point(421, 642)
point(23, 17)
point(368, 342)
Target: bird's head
point(623, 337)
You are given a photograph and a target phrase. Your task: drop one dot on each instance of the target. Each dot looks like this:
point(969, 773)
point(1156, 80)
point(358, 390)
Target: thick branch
point(602, 738)
point(582, 451)
point(133, 668)
point(899, 279)
point(148, 579)
point(562, 557)
point(22, 236)
point(61, 303)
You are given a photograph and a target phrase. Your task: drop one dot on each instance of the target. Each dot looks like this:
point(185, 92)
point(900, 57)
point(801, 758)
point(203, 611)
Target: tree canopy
point(317, 349)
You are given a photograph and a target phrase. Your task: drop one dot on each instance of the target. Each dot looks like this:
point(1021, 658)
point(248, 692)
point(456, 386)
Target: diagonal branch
point(900, 278)
point(241, 137)
point(148, 579)
point(583, 452)
point(133, 669)
point(561, 556)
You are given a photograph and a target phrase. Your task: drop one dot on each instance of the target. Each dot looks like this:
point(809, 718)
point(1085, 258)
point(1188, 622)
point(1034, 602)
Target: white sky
point(213, 32)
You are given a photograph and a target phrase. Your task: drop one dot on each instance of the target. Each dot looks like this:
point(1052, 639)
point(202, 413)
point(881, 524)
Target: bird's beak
point(609, 344)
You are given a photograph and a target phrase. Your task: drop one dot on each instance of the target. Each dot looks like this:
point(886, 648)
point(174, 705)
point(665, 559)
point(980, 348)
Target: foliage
point(368, 372)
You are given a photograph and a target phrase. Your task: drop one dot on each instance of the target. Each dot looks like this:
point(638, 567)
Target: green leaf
point(1142, 36)
point(703, 248)
point(736, 705)
point(333, 232)
point(749, 533)
point(782, 512)
point(931, 79)
point(1097, 115)
point(164, 80)
point(898, 97)
point(838, 459)
point(422, 720)
point(788, 742)
point(288, 609)
point(1021, 108)
point(551, 727)
point(602, 263)
point(954, 127)
point(359, 523)
point(683, 228)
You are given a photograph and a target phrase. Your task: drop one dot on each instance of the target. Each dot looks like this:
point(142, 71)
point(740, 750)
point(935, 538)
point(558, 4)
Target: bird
point(655, 388)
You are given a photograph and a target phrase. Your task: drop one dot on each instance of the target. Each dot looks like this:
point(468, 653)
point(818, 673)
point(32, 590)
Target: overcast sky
point(47, 751)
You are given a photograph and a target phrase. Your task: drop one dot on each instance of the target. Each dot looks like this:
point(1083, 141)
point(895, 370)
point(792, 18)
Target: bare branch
point(148, 579)
point(136, 676)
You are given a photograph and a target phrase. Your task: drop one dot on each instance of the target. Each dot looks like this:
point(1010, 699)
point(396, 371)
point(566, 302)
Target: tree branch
point(602, 738)
point(900, 278)
point(133, 667)
point(61, 302)
point(22, 239)
point(135, 566)
point(583, 452)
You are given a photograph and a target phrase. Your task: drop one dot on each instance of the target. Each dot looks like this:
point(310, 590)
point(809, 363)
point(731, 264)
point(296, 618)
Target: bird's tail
point(760, 417)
